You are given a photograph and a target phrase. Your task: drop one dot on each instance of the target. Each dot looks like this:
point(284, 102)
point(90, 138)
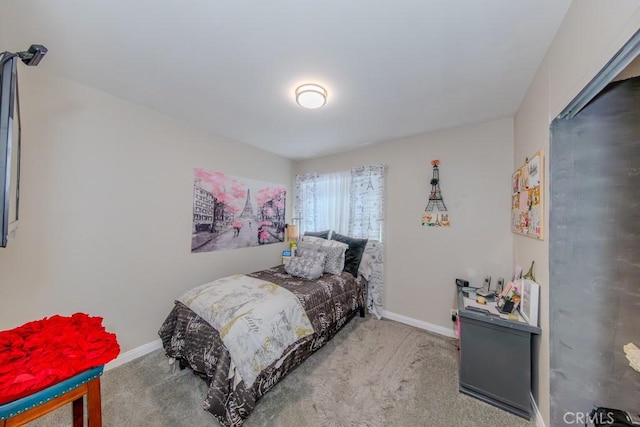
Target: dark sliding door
point(594, 252)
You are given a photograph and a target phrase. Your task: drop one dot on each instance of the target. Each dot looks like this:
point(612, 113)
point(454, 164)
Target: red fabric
point(39, 354)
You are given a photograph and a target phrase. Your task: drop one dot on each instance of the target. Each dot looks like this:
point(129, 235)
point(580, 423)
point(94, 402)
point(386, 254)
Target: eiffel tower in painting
point(435, 198)
point(247, 212)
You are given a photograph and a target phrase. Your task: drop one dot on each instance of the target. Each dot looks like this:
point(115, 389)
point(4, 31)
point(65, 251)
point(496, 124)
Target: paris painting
point(230, 212)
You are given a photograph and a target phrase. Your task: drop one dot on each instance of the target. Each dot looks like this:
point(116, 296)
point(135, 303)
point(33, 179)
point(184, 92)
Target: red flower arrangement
point(39, 354)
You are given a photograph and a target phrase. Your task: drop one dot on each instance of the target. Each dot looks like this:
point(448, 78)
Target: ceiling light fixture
point(311, 96)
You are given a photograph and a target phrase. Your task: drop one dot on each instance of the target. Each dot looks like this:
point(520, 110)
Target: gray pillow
point(310, 266)
point(334, 261)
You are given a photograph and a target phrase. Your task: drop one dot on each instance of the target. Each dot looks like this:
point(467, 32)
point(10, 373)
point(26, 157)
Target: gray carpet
point(373, 373)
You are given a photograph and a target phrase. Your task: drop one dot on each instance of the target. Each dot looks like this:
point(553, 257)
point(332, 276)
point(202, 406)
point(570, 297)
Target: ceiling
point(392, 68)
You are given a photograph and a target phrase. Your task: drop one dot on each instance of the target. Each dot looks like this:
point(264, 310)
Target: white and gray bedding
point(327, 303)
point(257, 320)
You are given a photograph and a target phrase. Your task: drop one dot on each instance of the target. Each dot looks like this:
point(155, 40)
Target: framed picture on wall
point(529, 301)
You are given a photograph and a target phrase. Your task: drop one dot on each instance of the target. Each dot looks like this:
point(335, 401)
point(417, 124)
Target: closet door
point(594, 253)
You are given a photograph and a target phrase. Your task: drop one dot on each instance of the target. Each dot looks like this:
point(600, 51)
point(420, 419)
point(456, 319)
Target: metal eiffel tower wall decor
point(436, 214)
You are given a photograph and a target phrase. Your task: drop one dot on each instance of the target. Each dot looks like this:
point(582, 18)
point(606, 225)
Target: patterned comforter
point(329, 302)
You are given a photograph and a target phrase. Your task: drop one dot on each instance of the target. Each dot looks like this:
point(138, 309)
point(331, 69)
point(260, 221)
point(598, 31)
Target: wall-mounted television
point(10, 136)
point(9, 149)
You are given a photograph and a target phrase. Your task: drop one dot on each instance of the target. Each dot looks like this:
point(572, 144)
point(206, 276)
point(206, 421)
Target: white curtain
point(350, 202)
point(333, 202)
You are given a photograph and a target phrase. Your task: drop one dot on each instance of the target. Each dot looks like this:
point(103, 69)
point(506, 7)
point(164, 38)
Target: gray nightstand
point(495, 358)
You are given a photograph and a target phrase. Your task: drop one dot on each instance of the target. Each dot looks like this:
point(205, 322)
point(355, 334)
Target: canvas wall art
point(231, 212)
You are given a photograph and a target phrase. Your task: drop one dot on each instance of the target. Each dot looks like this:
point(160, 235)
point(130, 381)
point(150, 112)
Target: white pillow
point(313, 239)
point(371, 261)
point(324, 242)
point(366, 266)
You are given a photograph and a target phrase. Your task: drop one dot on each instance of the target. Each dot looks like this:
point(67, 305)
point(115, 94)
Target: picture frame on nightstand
point(529, 301)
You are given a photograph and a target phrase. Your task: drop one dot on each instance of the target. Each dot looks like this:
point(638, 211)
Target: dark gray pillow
point(322, 234)
point(353, 255)
point(310, 266)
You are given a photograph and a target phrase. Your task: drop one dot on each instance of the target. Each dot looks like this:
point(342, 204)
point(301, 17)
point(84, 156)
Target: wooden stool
point(26, 409)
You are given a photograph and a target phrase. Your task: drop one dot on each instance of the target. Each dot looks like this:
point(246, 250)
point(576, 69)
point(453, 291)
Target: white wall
point(422, 263)
point(106, 210)
point(592, 32)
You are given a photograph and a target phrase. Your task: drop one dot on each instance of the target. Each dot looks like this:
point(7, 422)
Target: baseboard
point(447, 332)
point(536, 412)
point(130, 355)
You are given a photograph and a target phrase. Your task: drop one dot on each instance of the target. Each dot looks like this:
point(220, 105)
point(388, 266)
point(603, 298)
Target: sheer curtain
point(332, 202)
point(350, 202)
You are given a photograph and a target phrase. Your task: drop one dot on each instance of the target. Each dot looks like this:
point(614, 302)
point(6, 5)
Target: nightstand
point(495, 358)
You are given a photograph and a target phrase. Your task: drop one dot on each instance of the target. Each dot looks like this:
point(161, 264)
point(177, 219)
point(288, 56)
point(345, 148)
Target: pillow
point(314, 239)
point(308, 267)
point(366, 266)
point(322, 234)
point(353, 255)
point(334, 256)
point(324, 242)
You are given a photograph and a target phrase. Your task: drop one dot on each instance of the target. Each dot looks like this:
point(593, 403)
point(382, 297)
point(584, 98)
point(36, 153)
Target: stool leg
point(78, 412)
point(94, 403)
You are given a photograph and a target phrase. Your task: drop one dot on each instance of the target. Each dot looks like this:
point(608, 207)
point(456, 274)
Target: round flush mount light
point(311, 96)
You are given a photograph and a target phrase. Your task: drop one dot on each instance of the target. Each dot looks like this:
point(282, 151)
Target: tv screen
point(9, 156)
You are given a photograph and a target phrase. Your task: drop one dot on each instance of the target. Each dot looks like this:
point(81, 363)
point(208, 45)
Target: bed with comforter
point(243, 333)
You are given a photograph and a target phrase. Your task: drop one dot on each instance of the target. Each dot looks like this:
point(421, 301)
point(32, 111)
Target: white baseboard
point(130, 355)
point(447, 332)
point(536, 412)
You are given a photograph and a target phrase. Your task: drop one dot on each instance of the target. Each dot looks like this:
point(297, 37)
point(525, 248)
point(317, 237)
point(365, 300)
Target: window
point(350, 202)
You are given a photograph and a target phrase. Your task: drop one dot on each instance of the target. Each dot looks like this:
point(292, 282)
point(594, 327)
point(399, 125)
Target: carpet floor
point(374, 373)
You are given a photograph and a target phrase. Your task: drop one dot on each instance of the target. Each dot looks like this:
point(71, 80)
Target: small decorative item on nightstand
point(509, 298)
point(292, 238)
point(504, 306)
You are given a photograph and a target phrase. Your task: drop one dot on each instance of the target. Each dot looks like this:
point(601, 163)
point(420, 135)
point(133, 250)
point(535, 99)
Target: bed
point(325, 305)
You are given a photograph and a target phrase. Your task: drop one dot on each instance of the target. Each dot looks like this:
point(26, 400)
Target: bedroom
point(106, 193)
